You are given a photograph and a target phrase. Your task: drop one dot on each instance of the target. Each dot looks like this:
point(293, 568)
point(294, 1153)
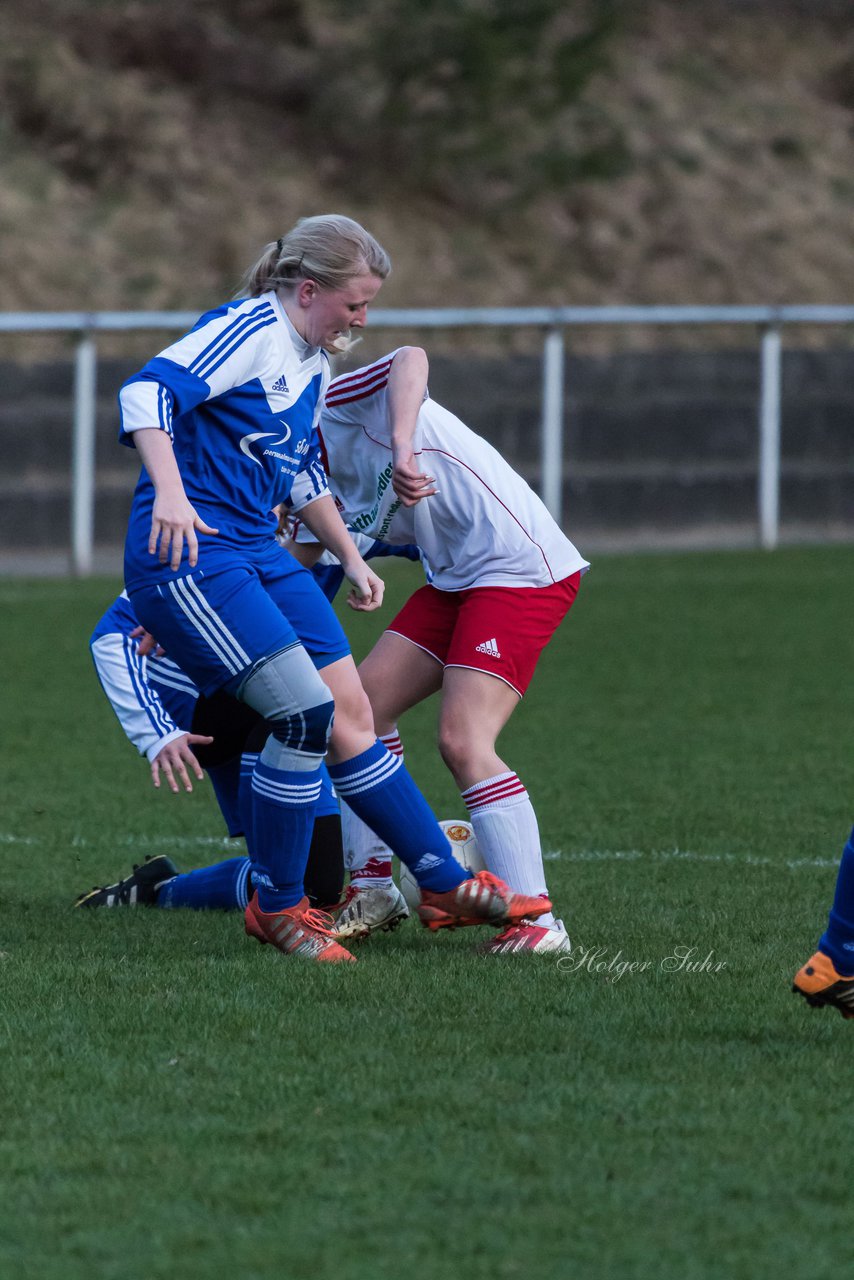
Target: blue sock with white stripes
point(221, 887)
point(838, 939)
point(379, 789)
point(283, 805)
point(248, 762)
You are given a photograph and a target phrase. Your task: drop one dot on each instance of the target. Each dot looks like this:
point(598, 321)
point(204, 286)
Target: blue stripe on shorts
point(235, 608)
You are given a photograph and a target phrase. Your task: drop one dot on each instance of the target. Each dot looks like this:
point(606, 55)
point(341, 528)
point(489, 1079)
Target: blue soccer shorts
point(236, 608)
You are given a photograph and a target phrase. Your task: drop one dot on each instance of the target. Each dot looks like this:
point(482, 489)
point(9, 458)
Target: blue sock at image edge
point(838, 939)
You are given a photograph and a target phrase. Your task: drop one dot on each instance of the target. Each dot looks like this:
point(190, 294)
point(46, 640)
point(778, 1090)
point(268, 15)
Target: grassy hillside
point(505, 153)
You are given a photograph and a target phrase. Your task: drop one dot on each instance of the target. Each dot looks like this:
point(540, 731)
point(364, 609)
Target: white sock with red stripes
point(365, 856)
point(508, 835)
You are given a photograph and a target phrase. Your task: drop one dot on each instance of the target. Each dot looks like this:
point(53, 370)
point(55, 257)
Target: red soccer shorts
point(499, 630)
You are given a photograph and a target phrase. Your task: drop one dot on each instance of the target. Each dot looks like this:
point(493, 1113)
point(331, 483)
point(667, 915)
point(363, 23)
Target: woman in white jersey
point(501, 576)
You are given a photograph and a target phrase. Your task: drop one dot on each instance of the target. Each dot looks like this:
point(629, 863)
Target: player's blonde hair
point(328, 248)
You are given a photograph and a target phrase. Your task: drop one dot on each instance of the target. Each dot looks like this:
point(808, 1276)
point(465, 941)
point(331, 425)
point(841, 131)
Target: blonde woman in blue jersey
point(225, 423)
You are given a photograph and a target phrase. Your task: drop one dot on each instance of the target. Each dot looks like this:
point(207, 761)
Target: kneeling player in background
point(152, 698)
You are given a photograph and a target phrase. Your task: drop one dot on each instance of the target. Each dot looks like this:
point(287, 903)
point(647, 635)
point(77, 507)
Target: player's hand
point(176, 758)
point(147, 644)
point(408, 482)
point(174, 521)
point(367, 589)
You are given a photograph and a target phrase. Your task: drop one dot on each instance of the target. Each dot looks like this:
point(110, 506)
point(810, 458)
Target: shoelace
point(321, 921)
point(349, 894)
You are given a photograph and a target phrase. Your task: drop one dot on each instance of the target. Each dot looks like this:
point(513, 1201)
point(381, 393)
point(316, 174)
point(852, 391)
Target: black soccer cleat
point(139, 889)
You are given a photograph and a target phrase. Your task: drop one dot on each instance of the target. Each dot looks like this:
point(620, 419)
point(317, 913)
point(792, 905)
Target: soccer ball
point(463, 841)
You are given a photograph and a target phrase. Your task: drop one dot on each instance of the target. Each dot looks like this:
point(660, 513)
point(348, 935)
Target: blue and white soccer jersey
point(239, 397)
point(152, 697)
point(154, 700)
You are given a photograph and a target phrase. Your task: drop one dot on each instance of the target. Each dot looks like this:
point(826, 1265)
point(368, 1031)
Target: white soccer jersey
point(484, 528)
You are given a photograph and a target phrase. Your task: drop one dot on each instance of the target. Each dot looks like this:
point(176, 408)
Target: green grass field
point(179, 1103)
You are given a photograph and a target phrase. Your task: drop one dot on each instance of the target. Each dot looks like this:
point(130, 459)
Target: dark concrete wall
point(659, 447)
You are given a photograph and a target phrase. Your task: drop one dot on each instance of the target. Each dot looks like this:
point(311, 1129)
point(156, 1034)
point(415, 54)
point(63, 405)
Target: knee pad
point(288, 692)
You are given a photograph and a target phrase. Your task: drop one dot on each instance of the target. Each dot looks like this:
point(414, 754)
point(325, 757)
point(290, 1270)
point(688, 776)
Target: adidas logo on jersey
point(489, 647)
point(281, 384)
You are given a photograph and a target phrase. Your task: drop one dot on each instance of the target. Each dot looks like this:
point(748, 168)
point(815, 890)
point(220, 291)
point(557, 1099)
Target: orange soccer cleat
point(297, 931)
point(484, 899)
point(819, 984)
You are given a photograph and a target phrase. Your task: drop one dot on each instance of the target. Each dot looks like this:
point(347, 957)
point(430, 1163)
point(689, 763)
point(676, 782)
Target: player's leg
point(239, 734)
point(157, 882)
point(370, 779)
point(372, 901)
point(408, 664)
point(227, 632)
point(225, 885)
point(230, 723)
point(475, 709)
point(398, 674)
point(498, 638)
point(378, 788)
point(827, 978)
point(324, 872)
point(367, 858)
point(395, 676)
point(286, 780)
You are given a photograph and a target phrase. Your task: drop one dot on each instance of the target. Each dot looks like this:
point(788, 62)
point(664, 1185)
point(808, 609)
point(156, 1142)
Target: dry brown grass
point(127, 179)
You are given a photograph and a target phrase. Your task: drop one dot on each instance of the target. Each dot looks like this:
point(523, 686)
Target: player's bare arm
point(407, 385)
point(174, 520)
point(307, 553)
point(322, 518)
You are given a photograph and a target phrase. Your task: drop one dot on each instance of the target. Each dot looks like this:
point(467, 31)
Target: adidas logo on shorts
point(280, 384)
point(489, 647)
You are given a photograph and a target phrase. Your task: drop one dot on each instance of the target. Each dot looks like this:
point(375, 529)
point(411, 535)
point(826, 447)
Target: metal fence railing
point(768, 321)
